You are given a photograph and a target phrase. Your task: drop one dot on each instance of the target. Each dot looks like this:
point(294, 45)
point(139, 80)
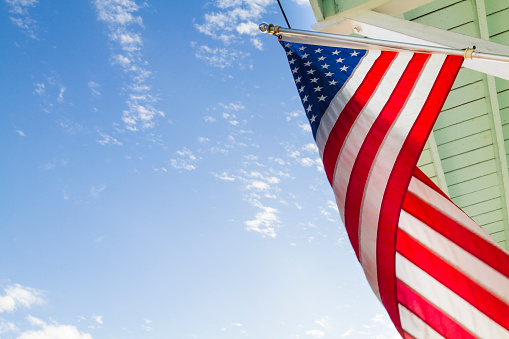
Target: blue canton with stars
point(319, 73)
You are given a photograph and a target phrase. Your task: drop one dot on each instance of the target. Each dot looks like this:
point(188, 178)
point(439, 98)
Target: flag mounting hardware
point(357, 42)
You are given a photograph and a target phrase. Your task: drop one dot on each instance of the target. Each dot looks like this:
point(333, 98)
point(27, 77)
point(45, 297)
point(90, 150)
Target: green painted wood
point(468, 28)
point(498, 22)
point(481, 195)
point(430, 8)
point(466, 76)
point(425, 158)
point(500, 38)
point(471, 92)
point(501, 84)
point(474, 185)
point(428, 169)
point(483, 207)
point(464, 145)
point(434, 179)
point(494, 227)
point(504, 115)
point(493, 6)
point(471, 172)
point(468, 159)
point(462, 129)
point(503, 244)
point(329, 7)
point(461, 113)
point(498, 236)
point(488, 218)
point(449, 17)
point(503, 99)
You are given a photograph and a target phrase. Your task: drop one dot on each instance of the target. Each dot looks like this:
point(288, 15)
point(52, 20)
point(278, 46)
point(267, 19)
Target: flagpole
point(339, 40)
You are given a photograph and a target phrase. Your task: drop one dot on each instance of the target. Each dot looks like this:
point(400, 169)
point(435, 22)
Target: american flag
point(437, 273)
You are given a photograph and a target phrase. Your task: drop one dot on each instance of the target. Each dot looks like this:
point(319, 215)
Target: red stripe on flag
point(457, 233)
point(431, 315)
point(406, 335)
point(372, 142)
point(422, 177)
point(351, 110)
point(454, 280)
point(399, 180)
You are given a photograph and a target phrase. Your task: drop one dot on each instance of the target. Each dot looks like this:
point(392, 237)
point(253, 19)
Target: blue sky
point(160, 179)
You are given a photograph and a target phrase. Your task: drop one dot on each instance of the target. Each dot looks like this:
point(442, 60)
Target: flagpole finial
point(269, 28)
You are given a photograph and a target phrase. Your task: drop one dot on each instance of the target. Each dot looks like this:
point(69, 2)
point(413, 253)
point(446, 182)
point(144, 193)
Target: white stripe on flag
point(440, 203)
point(340, 100)
point(383, 165)
point(414, 325)
point(362, 126)
point(463, 261)
point(450, 303)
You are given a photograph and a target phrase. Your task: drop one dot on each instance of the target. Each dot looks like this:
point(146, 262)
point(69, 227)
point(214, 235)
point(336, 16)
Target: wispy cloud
point(147, 325)
point(316, 334)
point(98, 319)
point(17, 295)
point(123, 27)
point(220, 57)
point(20, 133)
point(52, 331)
point(96, 191)
point(227, 22)
point(266, 220)
point(184, 159)
point(6, 326)
point(95, 88)
point(19, 9)
point(107, 139)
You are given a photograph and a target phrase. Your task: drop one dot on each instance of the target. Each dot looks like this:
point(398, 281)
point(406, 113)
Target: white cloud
point(257, 44)
point(97, 190)
point(220, 57)
point(53, 331)
point(258, 185)
point(17, 295)
point(98, 319)
point(121, 20)
point(224, 176)
point(265, 221)
point(20, 132)
point(249, 28)
point(301, 2)
point(61, 94)
point(305, 127)
point(6, 326)
point(146, 325)
point(316, 334)
point(310, 147)
point(346, 333)
point(108, 140)
point(21, 18)
point(294, 114)
point(209, 119)
point(185, 159)
point(233, 15)
point(230, 20)
point(40, 88)
point(203, 140)
point(95, 88)
point(324, 322)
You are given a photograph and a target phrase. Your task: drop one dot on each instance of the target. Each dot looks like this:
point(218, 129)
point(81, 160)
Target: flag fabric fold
point(437, 273)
